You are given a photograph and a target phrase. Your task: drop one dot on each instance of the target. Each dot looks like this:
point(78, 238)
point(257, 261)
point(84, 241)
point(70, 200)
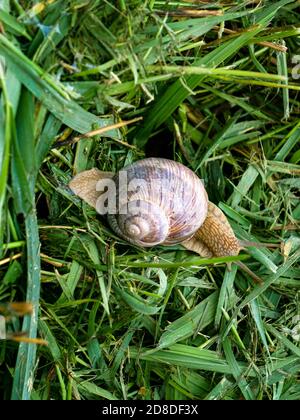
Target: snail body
point(159, 201)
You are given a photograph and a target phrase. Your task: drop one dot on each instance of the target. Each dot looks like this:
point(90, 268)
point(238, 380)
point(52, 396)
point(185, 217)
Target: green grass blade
point(93, 253)
point(92, 390)
point(282, 67)
point(256, 313)
point(23, 166)
point(259, 289)
point(194, 262)
point(288, 143)
point(6, 121)
point(285, 341)
point(53, 95)
point(187, 356)
point(225, 386)
point(48, 335)
point(24, 175)
point(24, 370)
point(136, 303)
point(241, 190)
point(157, 323)
point(12, 25)
point(193, 321)
point(237, 372)
point(227, 296)
point(58, 32)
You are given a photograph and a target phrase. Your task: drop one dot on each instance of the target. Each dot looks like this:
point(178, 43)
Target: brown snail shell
point(160, 201)
point(162, 198)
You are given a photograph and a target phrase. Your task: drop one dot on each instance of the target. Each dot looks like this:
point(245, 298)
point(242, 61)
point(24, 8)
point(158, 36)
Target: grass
point(217, 91)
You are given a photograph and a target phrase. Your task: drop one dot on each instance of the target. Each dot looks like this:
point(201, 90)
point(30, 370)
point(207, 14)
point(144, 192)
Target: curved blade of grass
point(186, 30)
point(136, 303)
point(220, 390)
point(264, 256)
point(226, 295)
point(217, 142)
point(195, 320)
point(93, 253)
point(126, 339)
point(244, 185)
point(233, 100)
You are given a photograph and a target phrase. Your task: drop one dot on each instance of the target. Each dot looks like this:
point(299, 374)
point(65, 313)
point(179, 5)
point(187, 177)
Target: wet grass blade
point(190, 323)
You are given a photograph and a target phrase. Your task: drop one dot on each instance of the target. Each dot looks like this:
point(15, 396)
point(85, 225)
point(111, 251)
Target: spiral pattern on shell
point(159, 201)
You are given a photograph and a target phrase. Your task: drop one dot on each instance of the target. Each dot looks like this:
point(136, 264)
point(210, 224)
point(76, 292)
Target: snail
point(158, 201)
